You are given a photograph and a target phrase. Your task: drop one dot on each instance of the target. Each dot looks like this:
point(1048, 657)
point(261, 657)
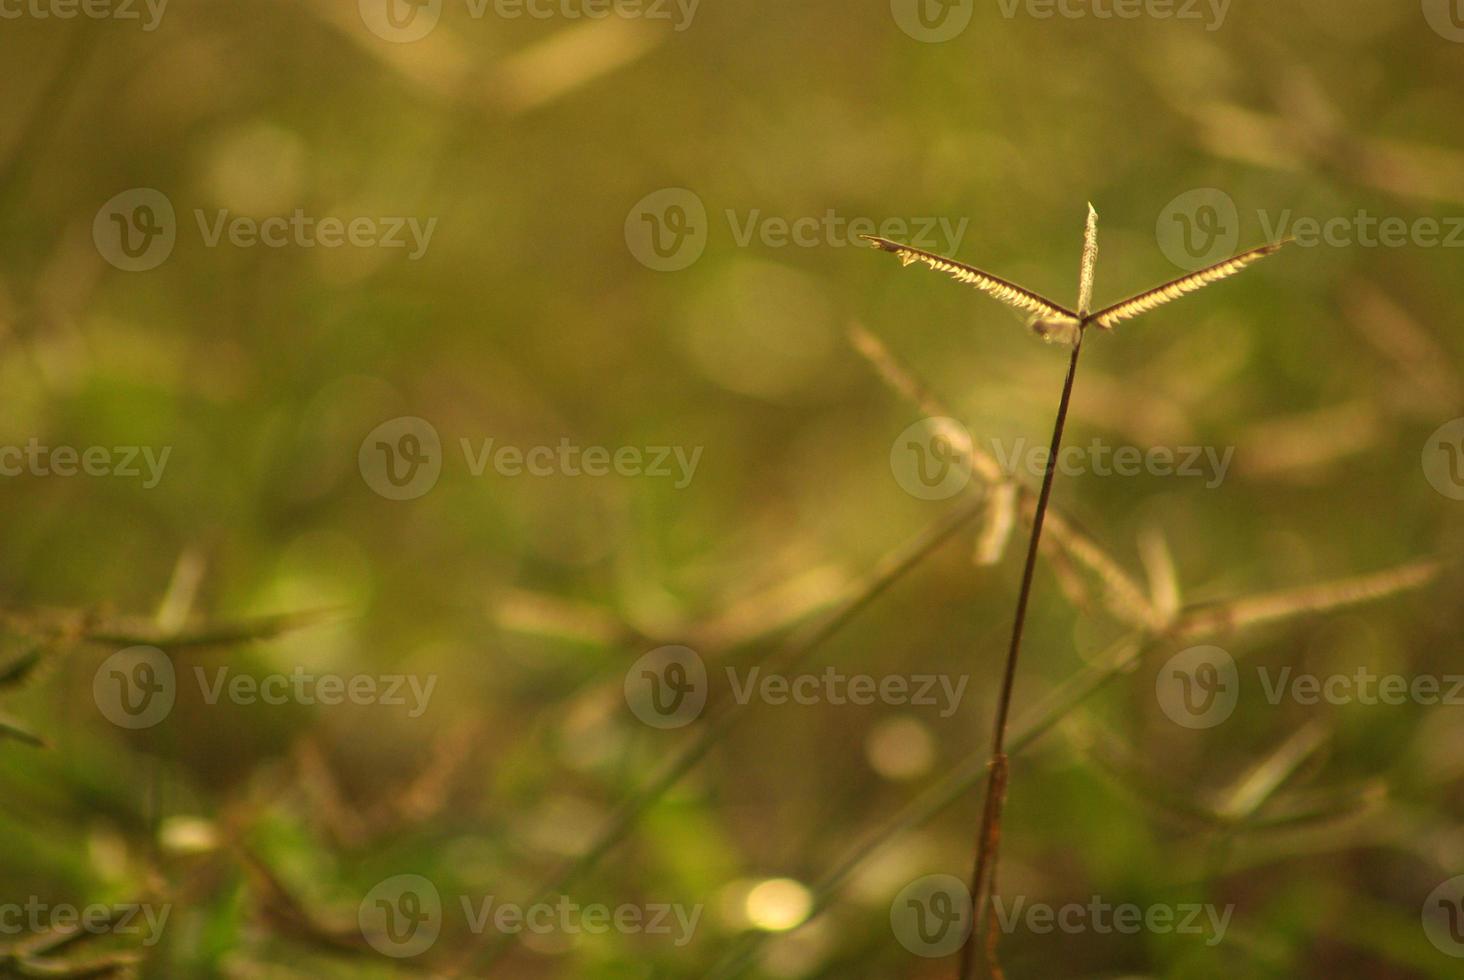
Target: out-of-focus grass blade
point(1164, 592)
point(1268, 775)
point(1299, 809)
point(142, 633)
point(18, 671)
point(9, 729)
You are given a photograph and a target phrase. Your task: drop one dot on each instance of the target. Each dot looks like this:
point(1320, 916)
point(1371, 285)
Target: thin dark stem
point(988, 840)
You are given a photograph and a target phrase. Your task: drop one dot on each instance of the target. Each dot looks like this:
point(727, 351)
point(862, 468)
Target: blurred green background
point(552, 156)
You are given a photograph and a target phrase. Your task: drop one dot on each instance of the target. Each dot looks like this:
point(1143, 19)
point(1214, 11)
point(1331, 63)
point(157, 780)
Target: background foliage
point(529, 320)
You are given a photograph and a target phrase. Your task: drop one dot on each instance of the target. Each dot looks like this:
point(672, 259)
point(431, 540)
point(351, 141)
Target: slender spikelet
point(1228, 616)
point(1154, 298)
point(1054, 322)
point(1090, 262)
point(1023, 300)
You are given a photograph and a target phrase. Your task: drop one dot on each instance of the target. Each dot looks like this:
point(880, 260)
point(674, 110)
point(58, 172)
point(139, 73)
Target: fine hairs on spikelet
point(1090, 263)
point(1018, 298)
point(1170, 291)
point(1051, 320)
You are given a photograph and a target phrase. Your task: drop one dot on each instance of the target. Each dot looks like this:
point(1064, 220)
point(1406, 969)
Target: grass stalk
point(988, 839)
